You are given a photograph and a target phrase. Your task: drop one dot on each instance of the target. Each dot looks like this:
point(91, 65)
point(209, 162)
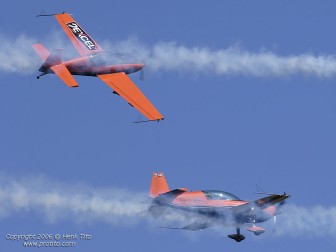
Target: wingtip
point(150, 120)
point(45, 14)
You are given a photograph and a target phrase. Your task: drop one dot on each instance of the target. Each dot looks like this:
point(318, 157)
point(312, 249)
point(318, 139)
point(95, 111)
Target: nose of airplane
point(135, 67)
point(265, 214)
point(139, 66)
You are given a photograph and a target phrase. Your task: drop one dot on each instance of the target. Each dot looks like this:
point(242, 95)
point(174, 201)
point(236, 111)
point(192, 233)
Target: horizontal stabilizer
point(174, 193)
point(63, 73)
point(41, 51)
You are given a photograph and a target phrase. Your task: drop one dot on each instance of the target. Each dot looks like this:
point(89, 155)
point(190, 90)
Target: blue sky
point(222, 131)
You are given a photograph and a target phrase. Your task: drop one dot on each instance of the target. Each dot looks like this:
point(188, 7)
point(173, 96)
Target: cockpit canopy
point(219, 195)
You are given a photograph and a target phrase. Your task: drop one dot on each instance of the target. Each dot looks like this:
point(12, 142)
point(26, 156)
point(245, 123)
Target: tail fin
point(53, 63)
point(50, 59)
point(159, 185)
point(54, 58)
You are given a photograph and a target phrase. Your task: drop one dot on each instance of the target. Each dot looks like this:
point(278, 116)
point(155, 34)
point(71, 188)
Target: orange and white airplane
point(111, 68)
point(208, 208)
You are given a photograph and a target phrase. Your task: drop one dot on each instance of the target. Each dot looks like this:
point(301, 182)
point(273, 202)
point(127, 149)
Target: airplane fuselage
point(85, 66)
point(209, 208)
point(217, 210)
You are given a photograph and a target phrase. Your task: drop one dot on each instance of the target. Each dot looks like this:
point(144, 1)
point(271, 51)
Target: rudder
point(159, 185)
point(54, 58)
point(50, 58)
point(53, 63)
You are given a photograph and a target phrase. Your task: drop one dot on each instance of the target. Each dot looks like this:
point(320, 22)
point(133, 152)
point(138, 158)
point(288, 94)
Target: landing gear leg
point(237, 237)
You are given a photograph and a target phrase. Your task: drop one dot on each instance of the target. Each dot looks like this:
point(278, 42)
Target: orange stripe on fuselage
point(197, 198)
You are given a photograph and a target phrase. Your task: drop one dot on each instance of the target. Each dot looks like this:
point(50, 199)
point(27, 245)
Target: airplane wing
point(192, 227)
point(125, 87)
point(271, 200)
point(83, 43)
point(196, 226)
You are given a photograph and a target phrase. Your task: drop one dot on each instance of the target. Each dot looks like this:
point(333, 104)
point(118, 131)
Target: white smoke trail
point(17, 56)
point(56, 201)
point(234, 60)
point(80, 203)
point(314, 221)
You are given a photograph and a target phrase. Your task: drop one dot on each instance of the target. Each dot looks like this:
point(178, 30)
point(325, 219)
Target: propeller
point(282, 203)
point(279, 206)
point(142, 75)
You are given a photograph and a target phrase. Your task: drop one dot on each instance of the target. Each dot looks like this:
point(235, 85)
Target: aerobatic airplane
point(111, 68)
point(208, 208)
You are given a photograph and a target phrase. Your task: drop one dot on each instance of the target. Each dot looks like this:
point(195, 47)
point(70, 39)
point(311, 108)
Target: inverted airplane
point(111, 68)
point(209, 208)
